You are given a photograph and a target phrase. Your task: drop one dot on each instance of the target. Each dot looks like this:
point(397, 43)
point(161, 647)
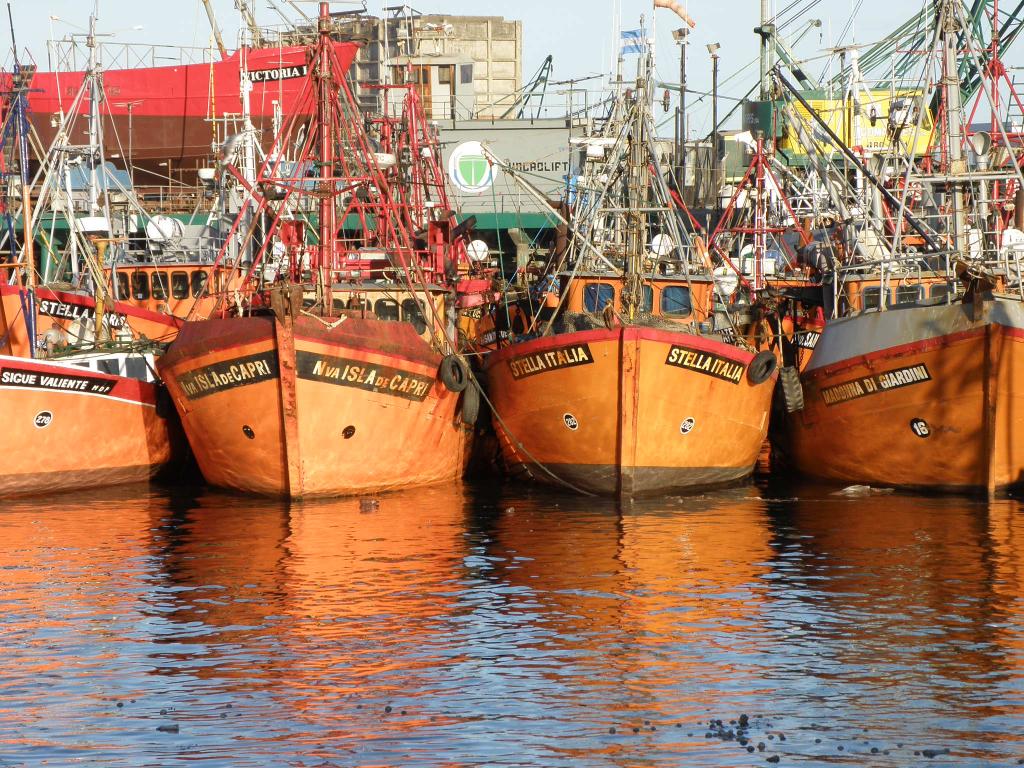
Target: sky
point(578, 33)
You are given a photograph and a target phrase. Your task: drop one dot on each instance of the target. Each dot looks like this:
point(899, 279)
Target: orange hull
point(67, 428)
point(628, 411)
point(307, 410)
point(944, 412)
point(65, 308)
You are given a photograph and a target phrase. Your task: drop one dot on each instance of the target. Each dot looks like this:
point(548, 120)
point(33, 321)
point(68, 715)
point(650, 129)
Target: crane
point(216, 29)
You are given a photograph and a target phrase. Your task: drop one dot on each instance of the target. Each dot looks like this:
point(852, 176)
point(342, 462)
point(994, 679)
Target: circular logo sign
point(469, 169)
point(687, 425)
point(43, 419)
point(570, 422)
point(920, 428)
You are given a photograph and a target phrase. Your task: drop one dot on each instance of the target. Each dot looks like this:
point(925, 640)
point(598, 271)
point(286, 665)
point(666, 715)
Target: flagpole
point(618, 46)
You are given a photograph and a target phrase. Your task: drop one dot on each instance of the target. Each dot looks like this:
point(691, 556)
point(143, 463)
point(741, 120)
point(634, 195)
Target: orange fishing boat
point(631, 409)
point(916, 396)
point(639, 380)
point(338, 377)
point(83, 422)
point(293, 407)
point(913, 382)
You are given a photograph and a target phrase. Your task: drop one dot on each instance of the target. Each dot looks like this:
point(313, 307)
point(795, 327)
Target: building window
point(597, 295)
point(676, 301)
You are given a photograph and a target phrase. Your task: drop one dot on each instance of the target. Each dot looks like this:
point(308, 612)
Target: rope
point(324, 323)
point(518, 444)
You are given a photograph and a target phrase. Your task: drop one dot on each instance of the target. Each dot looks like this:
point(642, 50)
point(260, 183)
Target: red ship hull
point(163, 114)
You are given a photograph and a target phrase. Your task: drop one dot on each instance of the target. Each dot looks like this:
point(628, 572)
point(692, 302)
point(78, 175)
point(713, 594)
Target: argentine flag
point(634, 41)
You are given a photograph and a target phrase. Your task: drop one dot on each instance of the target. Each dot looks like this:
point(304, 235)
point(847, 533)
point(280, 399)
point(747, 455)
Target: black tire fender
point(470, 405)
point(762, 367)
point(454, 373)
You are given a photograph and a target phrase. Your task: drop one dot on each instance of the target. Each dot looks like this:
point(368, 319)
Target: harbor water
point(498, 626)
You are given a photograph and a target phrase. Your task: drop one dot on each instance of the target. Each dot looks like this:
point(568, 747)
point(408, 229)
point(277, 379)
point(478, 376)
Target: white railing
point(72, 55)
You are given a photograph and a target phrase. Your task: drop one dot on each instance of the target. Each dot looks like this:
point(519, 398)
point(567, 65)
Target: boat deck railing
point(72, 55)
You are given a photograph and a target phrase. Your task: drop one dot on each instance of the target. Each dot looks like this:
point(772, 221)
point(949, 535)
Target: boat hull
point(307, 410)
point(162, 114)
point(628, 411)
point(68, 308)
point(924, 397)
point(66, 428)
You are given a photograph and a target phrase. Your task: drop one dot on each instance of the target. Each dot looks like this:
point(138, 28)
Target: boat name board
point(22, 377)
point(550, 360)
point(808, 339)
point(281, 73)
point(53, 308)
point(872, 385)
point(704, 362)
point(228, 374)
point(362, 375)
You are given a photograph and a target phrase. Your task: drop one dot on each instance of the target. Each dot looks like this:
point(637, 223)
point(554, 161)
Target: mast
point(95, 130)
point(325, 94)
point(766, 34)
point(250, 22)
point(636, 192)
point(953, 112)
point(21, 135)
point(216, 29)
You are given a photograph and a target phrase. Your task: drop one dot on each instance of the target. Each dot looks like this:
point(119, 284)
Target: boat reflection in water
point(485, 626)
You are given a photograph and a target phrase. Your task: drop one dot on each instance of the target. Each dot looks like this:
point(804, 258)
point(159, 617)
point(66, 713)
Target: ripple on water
point(498, 626)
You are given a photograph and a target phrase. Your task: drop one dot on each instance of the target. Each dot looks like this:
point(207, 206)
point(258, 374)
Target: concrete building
point(494, 46)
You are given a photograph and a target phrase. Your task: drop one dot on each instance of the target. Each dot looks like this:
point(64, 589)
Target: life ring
point(470, 405)
point(761, 367)
point(454, 373)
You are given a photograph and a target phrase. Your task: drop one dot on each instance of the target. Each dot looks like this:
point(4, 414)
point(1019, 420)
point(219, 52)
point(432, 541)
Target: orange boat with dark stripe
point(71, 427)
point(916, 396)
point(302, 409)
point(74, 313)
point(631, 410)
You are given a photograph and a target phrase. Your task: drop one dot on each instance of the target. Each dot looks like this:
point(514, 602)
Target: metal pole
point(714, 129)
point(765, 60)
point(681, 181)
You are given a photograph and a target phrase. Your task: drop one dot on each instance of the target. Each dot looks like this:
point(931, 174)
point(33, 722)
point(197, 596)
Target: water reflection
point(496, 626)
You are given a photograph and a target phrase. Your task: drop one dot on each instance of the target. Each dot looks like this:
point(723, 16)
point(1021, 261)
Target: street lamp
point(713, 50)
point(680, 35)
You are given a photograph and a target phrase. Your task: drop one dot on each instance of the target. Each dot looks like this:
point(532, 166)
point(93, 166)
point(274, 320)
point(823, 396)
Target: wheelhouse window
point(140, 286)
point(909, 294)
point(179, 285)
point(940, 291)
point(160, 285)
point(676, 301)
point(199, 279)
point(871, 297)
point(386, 309)
point(124, 290)
point(413, 312)
point(597, 295)
point(647, 299)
